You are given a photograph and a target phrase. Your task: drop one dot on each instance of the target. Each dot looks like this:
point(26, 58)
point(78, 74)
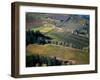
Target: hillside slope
point(63, 53)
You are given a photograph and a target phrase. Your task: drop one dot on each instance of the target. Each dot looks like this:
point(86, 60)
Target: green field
point(61, 52)
point(64, 36)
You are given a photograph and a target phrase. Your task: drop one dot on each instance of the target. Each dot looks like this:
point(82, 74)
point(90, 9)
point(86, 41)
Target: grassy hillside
point(64, 53)
point(70, 29)
point(44, 28)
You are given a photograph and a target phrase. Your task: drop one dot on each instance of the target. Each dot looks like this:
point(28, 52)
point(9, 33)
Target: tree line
point(37, 60)
point(35, 37)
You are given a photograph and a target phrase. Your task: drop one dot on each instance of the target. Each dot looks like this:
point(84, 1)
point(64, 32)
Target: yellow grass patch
point(46, 29)
point(60, 52)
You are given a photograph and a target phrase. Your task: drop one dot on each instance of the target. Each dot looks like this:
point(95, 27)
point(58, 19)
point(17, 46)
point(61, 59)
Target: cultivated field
point(63, 53)
point(57, 39)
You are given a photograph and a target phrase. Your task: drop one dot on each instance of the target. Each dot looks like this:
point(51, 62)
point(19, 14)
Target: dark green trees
point(35, 37)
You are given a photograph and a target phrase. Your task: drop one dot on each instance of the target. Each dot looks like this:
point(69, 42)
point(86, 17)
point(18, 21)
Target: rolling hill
point(67, 28)
point(63, 53)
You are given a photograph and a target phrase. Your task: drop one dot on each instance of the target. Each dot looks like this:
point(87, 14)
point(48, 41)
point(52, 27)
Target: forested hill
point(35, 37)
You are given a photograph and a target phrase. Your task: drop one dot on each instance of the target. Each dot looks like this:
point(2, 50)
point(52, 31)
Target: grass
point(44, 28)
point(50, 30)
point(58, 36)
point(64, 53)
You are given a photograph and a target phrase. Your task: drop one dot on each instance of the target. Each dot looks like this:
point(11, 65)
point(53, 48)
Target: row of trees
point(33, 60)
point(39, 38)
point(35, 37)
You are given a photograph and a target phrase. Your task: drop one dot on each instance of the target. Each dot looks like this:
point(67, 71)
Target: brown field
point(61, 52)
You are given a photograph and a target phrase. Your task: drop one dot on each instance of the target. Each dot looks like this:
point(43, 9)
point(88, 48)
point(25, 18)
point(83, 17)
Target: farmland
point(56, 39)
point(64, 53)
